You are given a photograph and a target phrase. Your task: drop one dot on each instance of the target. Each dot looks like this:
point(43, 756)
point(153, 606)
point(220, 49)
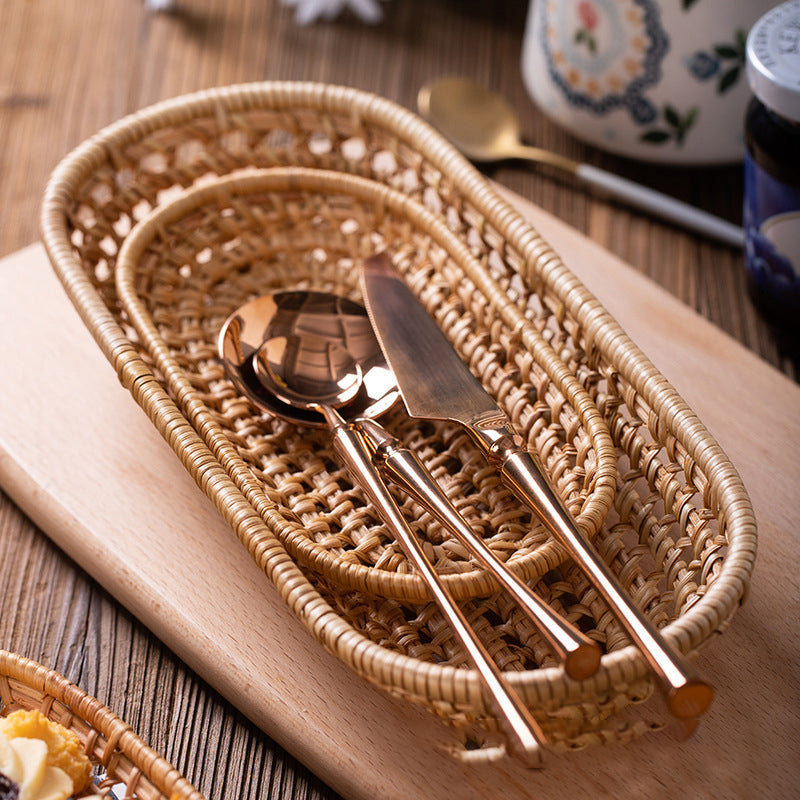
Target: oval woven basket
point(122, 764)
point(289, 228)
point(677, 527)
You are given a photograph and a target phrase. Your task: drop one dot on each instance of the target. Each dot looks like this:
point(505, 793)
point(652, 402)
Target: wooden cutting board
point(82, 460)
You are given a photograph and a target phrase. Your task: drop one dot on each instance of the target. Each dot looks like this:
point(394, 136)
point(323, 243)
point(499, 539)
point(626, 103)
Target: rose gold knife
point(436, 384)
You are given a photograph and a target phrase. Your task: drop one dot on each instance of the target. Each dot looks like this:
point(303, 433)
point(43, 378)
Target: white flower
point(311, 10)
point(159, 5)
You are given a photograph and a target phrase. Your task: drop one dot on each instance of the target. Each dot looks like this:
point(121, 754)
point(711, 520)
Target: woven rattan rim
point(401, 586)
point(108, 741)
point(540, 688)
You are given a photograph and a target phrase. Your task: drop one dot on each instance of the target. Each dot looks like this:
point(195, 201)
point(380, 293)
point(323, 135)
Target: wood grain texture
point(133, 518)
point(67, 69)
point(63, 75)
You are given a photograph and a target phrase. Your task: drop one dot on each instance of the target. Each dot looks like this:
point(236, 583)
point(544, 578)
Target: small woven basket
point(123, 765)
point(270, 228)
point(166, 222)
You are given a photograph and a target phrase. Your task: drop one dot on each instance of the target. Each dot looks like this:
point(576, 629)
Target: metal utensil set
point(321, 360)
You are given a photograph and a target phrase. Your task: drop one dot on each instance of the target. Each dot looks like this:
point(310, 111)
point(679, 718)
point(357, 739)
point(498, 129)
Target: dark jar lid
point(773, 60)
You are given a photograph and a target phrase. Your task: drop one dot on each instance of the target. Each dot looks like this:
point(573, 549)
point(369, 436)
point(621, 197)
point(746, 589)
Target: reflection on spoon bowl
point(308, 371)
point(337, 320)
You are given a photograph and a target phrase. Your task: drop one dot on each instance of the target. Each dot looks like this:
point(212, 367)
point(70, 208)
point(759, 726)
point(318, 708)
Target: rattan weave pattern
point(121, 761)
point(677, 528)
point(199, 258)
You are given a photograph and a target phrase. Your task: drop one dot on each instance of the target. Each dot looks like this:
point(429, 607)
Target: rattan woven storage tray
point(270, 228)
point(122, 762)
point(677, 528)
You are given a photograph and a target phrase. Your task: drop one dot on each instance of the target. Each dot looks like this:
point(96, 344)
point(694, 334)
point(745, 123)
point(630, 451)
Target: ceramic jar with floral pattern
point(659, 80)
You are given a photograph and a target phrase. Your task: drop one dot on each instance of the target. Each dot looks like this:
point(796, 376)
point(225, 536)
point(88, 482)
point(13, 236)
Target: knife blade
point(442, 386)
point(436, 384)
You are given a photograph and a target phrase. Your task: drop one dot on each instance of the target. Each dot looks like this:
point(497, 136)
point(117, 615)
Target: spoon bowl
point(308, 371)
point(480, 122)
point(284, 314)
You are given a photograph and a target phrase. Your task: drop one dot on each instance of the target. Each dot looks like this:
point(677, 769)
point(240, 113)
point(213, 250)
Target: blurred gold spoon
point(485, 128)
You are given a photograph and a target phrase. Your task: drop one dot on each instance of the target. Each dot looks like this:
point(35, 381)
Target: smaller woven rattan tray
point(166, 222)
point(123, 765)
point(310, 222)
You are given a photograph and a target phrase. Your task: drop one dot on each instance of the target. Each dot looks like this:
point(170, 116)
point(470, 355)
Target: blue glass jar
point(772, 168)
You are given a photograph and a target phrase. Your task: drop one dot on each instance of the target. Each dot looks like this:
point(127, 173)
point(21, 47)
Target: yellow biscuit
point(64, 749)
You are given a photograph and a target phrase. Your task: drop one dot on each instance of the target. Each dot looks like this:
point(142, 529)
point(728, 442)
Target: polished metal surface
point(484, 126)
point(434, 382)
point(296, 367)
point(331, 317)
point(480, 122)
point(305, 348)
point(317, 351)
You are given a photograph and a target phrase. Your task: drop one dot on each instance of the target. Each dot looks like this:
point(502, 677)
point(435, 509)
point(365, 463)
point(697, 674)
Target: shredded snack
point(41, 759)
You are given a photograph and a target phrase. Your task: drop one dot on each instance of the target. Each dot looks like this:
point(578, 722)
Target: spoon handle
point(638, 196)
point(663, 205)
point(525, 737)
point(579, 654)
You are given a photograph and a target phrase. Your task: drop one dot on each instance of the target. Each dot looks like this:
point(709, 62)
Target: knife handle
point(688, 695)
point(579, 654)
point(525, 737)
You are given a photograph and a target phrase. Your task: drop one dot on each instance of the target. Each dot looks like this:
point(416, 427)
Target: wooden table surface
point(69, 68)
